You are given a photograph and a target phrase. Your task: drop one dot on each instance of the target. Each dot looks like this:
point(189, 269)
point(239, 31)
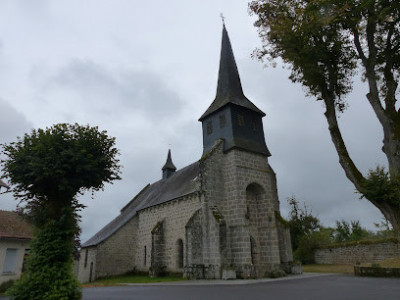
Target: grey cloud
point(12, 125)
point(12, 122)
point(105, 91)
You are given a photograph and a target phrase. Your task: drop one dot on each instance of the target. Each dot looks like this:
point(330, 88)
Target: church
point(217, 218)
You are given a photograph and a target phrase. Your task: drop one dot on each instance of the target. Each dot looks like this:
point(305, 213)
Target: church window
point(222, 121)
point(252, 250)
point(86, 258)
point(240, 119)
point(180, 253)
point(209, 127)
point(255, 127)
point(91, 272)
point(144, 256)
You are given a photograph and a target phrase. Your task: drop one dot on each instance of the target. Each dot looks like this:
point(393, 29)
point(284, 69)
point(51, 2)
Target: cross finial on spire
point(222, 18)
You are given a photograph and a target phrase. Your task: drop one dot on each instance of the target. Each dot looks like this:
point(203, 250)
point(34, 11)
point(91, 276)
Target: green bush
point(308, 243)
point(49, 272)
point(6, 285)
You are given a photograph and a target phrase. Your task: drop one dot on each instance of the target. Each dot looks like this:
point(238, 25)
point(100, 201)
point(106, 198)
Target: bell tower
point(231, 116)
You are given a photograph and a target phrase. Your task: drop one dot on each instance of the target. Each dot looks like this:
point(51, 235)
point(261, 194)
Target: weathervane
point(222, 18)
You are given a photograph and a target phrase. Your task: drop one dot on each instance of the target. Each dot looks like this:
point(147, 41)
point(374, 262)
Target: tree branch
point(352, 173)
point(369, 64)
point(388, 74)
point(358, 46)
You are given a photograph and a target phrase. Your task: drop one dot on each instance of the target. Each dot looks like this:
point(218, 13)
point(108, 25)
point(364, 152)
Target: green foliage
point(306, 35)
point(381, 188)
point(57, 163)
point(48, 168)
point(306, 232)
point(384, 230)
point(308, 243)
point(347, 232)
point(49, 272)
point(301, 222)
point(322, 41)
point(6, 285)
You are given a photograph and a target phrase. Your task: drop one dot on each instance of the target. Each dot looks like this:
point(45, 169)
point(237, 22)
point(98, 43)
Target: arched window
point(180, 253)
point(254, 208)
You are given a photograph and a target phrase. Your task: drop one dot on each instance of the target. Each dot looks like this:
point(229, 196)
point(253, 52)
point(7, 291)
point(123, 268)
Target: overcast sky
point(145, 71)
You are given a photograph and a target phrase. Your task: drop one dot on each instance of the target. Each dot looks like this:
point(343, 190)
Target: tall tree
point(325, 42)
point(48, 169)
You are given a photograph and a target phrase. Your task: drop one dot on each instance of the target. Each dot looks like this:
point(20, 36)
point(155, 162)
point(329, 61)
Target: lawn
point(341, 269)
point(121, 280)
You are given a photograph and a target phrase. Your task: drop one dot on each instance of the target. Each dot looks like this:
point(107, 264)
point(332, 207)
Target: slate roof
point(169, 164)
point(14, 226)
point(183, 182)
point(229, 88)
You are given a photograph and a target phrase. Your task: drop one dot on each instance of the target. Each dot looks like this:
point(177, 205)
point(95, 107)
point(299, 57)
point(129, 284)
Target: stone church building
point(216, 218)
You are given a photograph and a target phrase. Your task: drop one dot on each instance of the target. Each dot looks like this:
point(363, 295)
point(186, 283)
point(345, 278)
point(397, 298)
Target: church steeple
point(169, 167)
point(229, 89)
point(231, 116)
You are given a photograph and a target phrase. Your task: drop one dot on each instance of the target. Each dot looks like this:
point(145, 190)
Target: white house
point(15, 236)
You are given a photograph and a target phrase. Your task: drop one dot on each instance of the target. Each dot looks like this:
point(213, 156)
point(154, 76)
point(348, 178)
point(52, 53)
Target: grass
point(125, 279)
point(341, 269)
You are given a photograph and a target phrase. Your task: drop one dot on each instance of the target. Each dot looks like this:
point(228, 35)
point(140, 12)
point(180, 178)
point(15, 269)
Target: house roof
point(229, 90)
point(13, 225)
point(182, 182)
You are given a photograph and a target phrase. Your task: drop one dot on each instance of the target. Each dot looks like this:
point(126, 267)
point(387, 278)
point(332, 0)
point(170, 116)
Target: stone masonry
point(361, 252)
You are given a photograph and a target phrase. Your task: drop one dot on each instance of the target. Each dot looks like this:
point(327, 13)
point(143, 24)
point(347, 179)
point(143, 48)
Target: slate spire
point(229, 89)
point(169, 167)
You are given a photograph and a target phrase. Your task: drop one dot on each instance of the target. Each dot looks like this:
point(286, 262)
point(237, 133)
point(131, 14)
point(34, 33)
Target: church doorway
point(256, 214)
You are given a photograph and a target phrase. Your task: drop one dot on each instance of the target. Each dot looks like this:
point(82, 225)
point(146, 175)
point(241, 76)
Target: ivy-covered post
point(48, 169)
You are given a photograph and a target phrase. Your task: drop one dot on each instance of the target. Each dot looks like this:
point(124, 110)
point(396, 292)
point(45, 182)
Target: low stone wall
point(362, 252)
point(376, 271)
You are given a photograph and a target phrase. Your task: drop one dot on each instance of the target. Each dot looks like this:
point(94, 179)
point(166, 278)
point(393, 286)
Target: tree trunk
point(390, 212)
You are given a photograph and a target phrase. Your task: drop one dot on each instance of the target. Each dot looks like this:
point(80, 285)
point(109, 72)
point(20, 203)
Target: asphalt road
point(325, 287)
point(309, 286)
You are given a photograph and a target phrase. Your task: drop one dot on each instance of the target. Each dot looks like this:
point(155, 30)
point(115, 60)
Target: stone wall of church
point(87, 264)
point(173, 215)
point(116, 255)
point(230, 181)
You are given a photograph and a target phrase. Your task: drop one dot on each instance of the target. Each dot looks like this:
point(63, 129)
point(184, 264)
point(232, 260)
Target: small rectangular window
point(222, 121)
point(144, 256)
point(86, 258)
point(255, 127)
point(10, 261)
point(209, 127)
point(240, 120)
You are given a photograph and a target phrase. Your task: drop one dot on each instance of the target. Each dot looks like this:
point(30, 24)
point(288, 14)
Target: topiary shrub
point(49, 272)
